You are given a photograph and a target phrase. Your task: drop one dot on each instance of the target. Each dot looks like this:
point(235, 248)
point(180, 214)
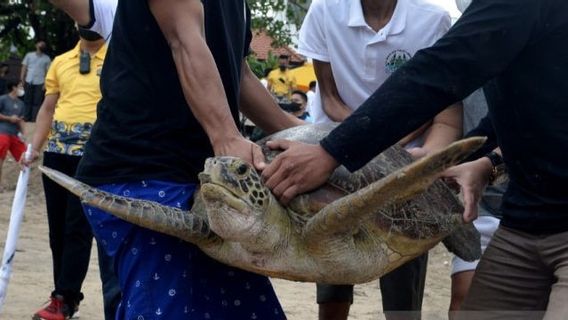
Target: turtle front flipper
point(346, 214)
point(464, 242)
point(181, 224)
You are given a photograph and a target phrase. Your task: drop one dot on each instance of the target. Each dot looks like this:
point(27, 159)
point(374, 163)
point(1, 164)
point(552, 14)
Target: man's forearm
point(78, 10)
point(335, 110)
point(194, 63)
point(5, 118)
point(259, 106)
point(446, 128)
point(332, 104)
point(43, 121)
point(182, 25)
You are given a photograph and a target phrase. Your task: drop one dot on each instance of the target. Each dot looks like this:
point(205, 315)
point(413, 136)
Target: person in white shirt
point(355, 46)
point(311, 95)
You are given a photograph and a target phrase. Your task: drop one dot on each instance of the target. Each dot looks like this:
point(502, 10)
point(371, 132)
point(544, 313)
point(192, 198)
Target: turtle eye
point(242, 169)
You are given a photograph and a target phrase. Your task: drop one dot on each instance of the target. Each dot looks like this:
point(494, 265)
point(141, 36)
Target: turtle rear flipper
point(346, 214)
point(181, 224)
point(464, 242)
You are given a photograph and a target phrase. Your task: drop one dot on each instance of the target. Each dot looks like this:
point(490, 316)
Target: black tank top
point(144, 128)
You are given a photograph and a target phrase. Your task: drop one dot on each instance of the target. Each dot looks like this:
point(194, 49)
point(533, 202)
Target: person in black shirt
point(172, 83)
point(523, 46)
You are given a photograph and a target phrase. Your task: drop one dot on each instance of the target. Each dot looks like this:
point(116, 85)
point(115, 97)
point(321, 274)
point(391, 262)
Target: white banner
point(16, 218)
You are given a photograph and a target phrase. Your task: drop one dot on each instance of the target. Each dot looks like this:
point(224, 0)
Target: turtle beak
point(204, 178)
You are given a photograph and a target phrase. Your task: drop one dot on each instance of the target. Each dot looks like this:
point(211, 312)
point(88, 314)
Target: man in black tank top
point(172, 83)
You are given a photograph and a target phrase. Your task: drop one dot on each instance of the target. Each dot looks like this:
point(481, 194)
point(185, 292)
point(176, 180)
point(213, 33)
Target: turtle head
point(235, 198)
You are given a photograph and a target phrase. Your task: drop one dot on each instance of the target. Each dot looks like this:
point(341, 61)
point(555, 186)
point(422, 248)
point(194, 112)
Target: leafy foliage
point(23, 22)
point(276, 16)
point(260, 67)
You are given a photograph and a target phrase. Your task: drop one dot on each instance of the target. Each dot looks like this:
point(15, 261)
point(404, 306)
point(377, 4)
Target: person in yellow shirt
point(65, 120)
point(280, 82)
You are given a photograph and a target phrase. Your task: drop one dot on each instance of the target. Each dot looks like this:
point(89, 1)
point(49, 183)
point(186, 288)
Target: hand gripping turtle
point(354, 229)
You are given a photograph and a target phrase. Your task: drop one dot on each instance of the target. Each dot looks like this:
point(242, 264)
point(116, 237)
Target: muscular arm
point(259, 106)
point(182, 23)
point(332, 104)
point(78, 10)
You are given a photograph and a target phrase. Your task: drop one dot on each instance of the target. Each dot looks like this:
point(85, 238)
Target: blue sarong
point(162, 277)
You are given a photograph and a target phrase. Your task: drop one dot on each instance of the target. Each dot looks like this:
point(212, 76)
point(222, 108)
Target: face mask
point(88, 34)
point(21, 92)
point(463, 4)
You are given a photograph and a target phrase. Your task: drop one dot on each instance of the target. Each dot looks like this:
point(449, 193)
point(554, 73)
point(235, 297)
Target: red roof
point(261, 45)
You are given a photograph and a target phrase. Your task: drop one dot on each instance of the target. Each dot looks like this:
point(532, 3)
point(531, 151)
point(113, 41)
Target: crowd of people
point(389, 71)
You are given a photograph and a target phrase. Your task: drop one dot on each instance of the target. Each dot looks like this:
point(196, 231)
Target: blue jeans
point(162, 277)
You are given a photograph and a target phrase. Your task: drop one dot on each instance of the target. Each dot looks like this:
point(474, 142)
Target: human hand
point(472, 177)
point(241, 148)
point(14, 119)
point(26, 163)
point(417, 152)
point(299, 168)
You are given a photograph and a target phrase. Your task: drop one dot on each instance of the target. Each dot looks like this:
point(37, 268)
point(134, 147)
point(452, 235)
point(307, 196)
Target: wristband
point(497, 164)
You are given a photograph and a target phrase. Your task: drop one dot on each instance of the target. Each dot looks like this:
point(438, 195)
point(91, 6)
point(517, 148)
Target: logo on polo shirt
point(395, 60)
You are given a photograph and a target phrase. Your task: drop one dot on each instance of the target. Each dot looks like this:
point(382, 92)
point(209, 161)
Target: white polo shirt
point(335, 31)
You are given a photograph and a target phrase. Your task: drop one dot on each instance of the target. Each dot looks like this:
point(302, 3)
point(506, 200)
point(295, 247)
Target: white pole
point(16, 218)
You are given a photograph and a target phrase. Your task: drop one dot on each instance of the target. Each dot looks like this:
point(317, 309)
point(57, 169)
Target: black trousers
point(402, 289)
point(33, 100)
point(71, 238)
point(70, 235)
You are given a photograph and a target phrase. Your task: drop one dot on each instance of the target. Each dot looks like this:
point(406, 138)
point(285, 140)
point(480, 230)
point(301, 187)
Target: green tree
point(265, 17)
point(23, 22)
point(259, 67)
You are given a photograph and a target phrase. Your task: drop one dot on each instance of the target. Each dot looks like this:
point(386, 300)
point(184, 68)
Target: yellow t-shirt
point(281, 83)
point(76, 107)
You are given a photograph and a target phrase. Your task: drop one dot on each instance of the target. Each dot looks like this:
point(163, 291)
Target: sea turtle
point(354, 229)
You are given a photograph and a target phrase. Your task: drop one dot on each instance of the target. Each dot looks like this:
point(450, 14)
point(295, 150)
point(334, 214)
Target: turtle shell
point(418, 218)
